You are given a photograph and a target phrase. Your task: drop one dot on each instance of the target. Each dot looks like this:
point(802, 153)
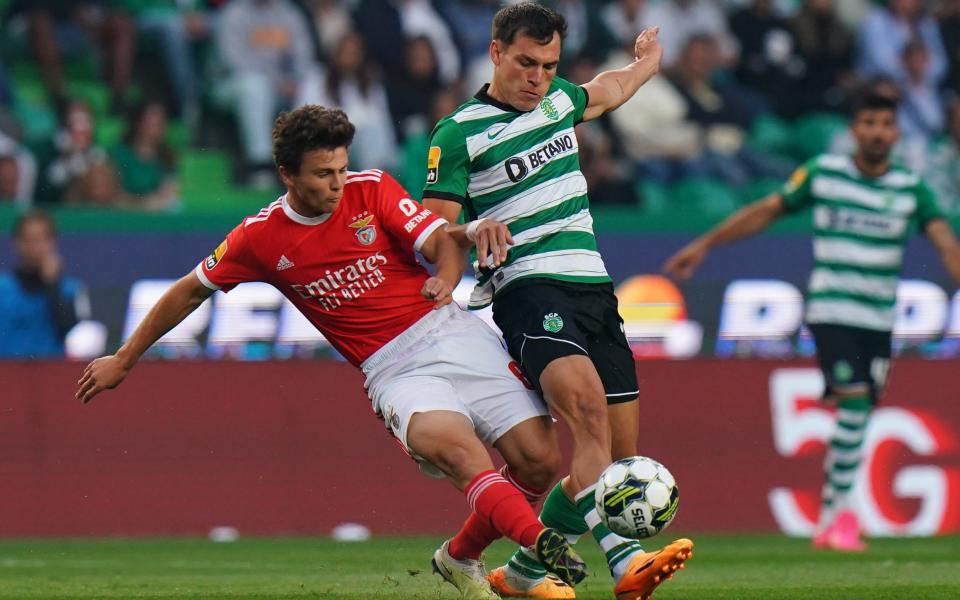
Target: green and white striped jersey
point(522, 169)
point(861, 225)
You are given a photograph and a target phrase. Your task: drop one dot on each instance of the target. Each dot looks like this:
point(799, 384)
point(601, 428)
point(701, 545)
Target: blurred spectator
point(470, 21)
point(769, 62)
point(609, 176)
point(852, 13)
point(331, 21)
point(20, 175)
point(9, 179)
point(950, 33)
point(652, 125)
point(176, 25)
point(67, 26)
point(724, 112)
point(6, 87)
point(885, 35)
point(413, 153)
point(73, 155)
point(825, 44)
point(266, 48)
point(38, 304)
point(411, 90)
point(385, 23)
point(622, 22)
point(145, 163)
point(352, 83)
point(679, 20)
point(99, 186)
point(582, 26)
point(921, 110)
point(941, 170)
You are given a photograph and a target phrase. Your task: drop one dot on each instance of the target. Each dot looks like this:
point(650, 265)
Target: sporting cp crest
point(552, 322)
point(549, 109)
point(366, 233)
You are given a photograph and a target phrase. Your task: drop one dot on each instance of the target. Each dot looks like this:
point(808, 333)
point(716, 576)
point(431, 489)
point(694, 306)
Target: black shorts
point(852, 356)
point(545, 319)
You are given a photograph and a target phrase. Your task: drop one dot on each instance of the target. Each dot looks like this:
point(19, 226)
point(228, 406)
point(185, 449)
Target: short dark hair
point(529, 19)
point(310, 127)
point(34, 214)
point(871, 100)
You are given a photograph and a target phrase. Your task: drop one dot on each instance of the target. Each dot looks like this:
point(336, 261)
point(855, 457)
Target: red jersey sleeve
point(231, 263)
point(403, 217)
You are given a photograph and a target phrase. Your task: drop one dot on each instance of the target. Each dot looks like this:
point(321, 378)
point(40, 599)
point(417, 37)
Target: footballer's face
point(876, 132)
point(523, 70)
point(318, 187)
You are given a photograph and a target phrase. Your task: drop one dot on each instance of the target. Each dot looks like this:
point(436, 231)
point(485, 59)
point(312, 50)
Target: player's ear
point(495, 52)
point(285, 176)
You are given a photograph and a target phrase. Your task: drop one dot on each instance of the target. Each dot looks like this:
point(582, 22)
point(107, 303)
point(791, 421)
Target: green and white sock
point(523, 570)
point(843, 456)
point(572, 519)
point(618, 550)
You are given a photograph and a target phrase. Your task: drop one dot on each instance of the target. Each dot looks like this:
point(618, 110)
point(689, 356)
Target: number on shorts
point(515, 369)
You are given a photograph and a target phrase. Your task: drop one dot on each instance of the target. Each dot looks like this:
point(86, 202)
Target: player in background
point(508, 158)
point(863, 209)
point(340, 246)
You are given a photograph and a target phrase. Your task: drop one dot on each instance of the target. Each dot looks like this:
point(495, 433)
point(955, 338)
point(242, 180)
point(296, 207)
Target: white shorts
point(449, 360)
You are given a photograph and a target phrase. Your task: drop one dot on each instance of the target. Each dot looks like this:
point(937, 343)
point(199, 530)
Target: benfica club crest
point(365, 232)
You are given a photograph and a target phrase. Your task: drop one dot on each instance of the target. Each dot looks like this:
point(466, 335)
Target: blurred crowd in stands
point(101, 99)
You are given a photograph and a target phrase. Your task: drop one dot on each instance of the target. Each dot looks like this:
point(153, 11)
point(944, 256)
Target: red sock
point(531, 493)
point(498, 502)
point(473, 538)
point(478, 533)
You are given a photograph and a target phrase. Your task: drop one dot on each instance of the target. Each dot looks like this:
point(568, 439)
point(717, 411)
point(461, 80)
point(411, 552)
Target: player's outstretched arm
point(173, 307)
point(441, 250)
point(610, 89)
point(943, 239)
point(747, 221)
point(492, 238)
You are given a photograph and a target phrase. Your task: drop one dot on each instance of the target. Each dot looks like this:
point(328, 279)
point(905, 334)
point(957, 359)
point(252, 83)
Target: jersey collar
point(298, 218)
point(483, 96)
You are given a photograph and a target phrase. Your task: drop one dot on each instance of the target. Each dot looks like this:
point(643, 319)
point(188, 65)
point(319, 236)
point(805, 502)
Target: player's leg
point(636, 573)
point(509, 415)
point(575, 513)
point(624, 428)
point(448, 442)
point(531, 452)
point(839, 527)
point(540, 324)
point(526, 459)
point(467, 360)
point(854, 365)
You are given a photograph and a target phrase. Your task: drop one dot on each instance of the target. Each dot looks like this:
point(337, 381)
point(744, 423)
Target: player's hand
point(647, 46)
point(682, 264)
point(104, 373)
point(438, 290)
point(492, 238)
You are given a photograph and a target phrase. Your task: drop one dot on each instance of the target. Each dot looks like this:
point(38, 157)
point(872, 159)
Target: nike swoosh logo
point(647, 564)
point(493, 134)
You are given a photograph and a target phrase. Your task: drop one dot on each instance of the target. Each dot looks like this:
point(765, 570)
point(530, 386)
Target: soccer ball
point(637, 497)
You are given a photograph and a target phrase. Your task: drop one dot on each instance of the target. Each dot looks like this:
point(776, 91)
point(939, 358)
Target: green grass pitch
point(764, 567)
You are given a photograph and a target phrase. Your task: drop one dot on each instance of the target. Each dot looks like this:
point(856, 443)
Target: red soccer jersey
point(352, 273)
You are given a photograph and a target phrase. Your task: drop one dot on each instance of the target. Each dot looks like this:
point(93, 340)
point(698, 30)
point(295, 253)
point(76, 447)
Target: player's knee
point(538, 470)
point(457, 460)
point(853, 396)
